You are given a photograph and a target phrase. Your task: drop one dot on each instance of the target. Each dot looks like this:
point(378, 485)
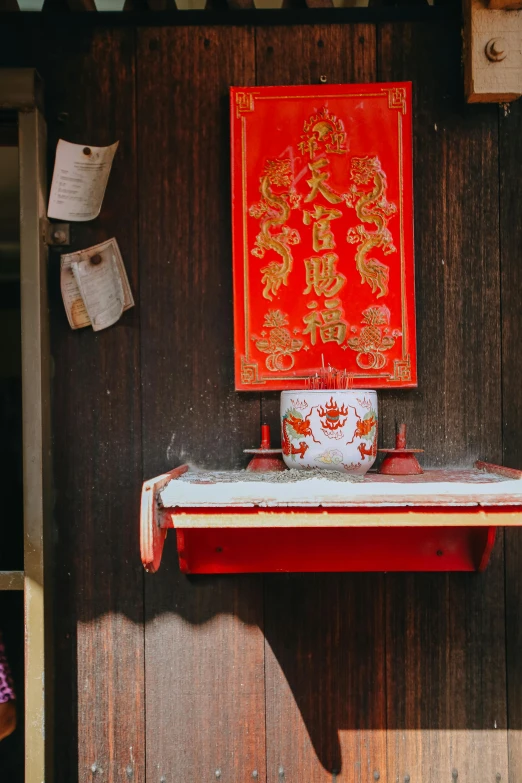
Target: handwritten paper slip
point(95, 287)
point(79, 180)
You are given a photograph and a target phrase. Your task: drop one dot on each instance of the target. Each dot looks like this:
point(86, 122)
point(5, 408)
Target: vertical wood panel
point(445, 634)
point(511, 242)
point(89, 80)
point(204, 639)
point(324, 633)
point(456, 253)
point(325, 679)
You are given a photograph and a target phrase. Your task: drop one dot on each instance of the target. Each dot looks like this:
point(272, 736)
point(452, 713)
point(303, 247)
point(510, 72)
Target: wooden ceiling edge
point(161, 5)
point(82, 5)
point(505, 5)
point(240, 5)
point(21, 89)
point(136, 14)
point(9, 5)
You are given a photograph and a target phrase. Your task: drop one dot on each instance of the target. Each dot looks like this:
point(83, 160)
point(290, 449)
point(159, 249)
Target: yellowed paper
point(79, 180)
point(94, 284)
point(101, 290)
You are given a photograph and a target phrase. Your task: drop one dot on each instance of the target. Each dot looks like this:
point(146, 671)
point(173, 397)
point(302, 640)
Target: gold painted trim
point(323, 95)
point(246, 281)
point(401, 517)
point(404, 310)
point(390, 374)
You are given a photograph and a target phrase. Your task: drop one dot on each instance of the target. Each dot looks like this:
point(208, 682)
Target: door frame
point(22, 90)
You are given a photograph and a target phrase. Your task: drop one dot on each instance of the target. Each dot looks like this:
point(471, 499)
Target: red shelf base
point(258, 550)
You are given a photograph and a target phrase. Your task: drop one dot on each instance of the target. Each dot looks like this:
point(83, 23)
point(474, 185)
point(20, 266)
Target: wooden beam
point(239, 4)
point(505, 5)
point(492, 53)
point(20, 89)
point(319, 3)
point(161, 5)
point(68, 5)
point(135, 5)
point(11, 580)
point(8, 130)
point(82, 5)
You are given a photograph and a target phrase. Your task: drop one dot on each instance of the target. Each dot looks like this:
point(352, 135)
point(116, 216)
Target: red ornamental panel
point(323, 234)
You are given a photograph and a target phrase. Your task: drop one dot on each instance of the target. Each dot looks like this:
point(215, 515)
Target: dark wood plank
point(324, 633)
point(446, 676)
point(325, 678)
point(162, 5)
point(319, 3)
point(204, 640)
point(455, 412)
point(239, 4)
point(510, 242)
point(56, 5)
point(192, 413)
point(97, 421)
point(9, 5)
point(82, 5)
point(445, 634)
point(135, 5)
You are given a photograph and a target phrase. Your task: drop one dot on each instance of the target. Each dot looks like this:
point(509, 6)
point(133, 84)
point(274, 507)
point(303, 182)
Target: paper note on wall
point(79, 180)
point(95, 287)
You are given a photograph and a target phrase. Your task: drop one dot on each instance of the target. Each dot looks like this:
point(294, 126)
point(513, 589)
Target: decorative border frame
point(249, 374)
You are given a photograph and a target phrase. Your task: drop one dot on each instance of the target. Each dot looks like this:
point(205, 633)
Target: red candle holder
point(265, 459)
point(401, 461)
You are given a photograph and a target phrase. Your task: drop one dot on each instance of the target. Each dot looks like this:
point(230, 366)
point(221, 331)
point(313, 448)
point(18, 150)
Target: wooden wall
point(285, 679)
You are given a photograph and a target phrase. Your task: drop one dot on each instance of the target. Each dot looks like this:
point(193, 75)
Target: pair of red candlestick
point(400, 461)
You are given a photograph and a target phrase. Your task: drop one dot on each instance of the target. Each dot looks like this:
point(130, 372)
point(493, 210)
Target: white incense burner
point(333, 429)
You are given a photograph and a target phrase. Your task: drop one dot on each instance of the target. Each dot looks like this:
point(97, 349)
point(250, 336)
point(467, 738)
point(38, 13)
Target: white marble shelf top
point(448, 487)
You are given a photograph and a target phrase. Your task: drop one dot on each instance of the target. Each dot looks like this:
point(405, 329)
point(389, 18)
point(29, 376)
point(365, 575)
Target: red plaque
point(323, 234)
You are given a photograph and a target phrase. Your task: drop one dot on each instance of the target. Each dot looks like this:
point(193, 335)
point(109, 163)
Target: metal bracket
point(57, 234)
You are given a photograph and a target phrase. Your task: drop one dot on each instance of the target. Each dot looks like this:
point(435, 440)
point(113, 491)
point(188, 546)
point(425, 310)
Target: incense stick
point(330, 378)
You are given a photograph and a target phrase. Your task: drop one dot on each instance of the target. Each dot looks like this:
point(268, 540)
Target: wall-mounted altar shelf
point(229, 522)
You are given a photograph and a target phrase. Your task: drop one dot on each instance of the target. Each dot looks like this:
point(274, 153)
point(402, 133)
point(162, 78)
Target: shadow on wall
point(341, 652)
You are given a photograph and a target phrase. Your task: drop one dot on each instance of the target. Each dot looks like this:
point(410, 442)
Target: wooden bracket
point(492, 51)
point(505, 5)
point(152, 533)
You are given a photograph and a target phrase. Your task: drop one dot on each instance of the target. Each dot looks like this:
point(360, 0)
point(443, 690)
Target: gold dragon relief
point(373, 207)
point(273, 212)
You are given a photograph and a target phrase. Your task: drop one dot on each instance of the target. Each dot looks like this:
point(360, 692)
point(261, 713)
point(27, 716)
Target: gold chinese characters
point(321, 203)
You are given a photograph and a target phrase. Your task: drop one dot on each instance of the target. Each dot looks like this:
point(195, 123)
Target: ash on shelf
point(282, 477)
